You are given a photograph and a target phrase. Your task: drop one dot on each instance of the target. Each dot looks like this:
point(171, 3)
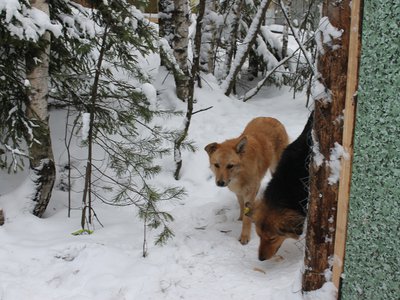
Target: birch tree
point(208, 36)
point(180, 43)
point(285, 34)
point(232, 21)
point(40, 151)
point(189, 112)
point(165, 23)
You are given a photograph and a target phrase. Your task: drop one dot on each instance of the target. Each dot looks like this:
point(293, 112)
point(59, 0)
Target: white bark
point(166, 28)
point(40, 151)
point(180, 44)
point(38, 73)
point(209, 32)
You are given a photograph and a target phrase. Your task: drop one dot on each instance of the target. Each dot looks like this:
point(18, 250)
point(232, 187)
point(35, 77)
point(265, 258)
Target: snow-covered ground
point(40, 259)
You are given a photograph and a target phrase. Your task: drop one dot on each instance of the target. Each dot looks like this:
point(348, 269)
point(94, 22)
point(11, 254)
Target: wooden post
point(348, 136)
point(332, 64)
point(1, 217)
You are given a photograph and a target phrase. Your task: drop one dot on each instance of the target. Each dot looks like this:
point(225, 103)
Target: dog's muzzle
point(221, 183)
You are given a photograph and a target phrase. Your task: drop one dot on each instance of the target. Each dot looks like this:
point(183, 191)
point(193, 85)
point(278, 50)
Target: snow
point(151, 94)
point(27, 23)
point(337, 152)
point(326, 35)
point(40, 259)
point(85, 126)
point(318, 157)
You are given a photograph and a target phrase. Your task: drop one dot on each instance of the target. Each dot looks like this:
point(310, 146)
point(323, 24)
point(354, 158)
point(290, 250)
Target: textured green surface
point(372, 265)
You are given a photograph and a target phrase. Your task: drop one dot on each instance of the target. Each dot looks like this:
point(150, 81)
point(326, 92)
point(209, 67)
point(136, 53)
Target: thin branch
point(261, 83)
point(201, 110)
point(296, 36)
point(248, 42)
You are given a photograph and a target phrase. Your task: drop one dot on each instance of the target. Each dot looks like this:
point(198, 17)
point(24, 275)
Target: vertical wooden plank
point(348, 136)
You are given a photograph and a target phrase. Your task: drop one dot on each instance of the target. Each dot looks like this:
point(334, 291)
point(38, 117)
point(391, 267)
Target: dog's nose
point(261, 257)
point(221, 183)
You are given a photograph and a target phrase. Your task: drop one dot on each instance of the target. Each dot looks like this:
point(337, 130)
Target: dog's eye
point(229, 166)
point(216, 165)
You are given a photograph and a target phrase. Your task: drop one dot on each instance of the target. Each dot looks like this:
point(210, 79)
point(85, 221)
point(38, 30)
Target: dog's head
point(225, 160)
point(273, 226)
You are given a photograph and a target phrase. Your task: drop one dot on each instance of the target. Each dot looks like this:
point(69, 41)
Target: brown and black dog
point(282, 211)
point(241, 163)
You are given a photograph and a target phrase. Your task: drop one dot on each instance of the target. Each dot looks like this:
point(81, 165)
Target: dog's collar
point(247, 211)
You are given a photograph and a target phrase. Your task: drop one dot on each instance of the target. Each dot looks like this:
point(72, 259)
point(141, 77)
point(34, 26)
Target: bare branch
point(201, 110)
point(261, 83)
point(296, 36)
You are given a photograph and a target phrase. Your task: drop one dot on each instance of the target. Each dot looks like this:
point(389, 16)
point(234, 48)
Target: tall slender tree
point(115, 112)
point(209, 28)
point(40, 151)
point(24, 60)
point(165, 23)
point(180, 44)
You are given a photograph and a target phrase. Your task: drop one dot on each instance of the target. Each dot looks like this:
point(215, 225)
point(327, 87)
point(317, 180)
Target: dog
point(241, 163)
point(282, 211)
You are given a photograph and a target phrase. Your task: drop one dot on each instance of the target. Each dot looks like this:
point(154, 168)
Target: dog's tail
point(307, 129)
point(305, 137)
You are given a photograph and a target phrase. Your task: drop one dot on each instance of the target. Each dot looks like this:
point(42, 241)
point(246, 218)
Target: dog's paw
point(244, 239)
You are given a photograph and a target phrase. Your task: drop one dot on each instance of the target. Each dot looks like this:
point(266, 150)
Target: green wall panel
point(372, 263)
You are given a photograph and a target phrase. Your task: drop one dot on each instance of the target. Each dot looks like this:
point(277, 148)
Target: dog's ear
point(210, 148)
point(240, 147)
point(292, 223)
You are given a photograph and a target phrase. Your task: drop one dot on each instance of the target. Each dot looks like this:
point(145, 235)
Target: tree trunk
point(237, 10)
point(180, 44)
point(40, 151)
point(165, 24)
point(1, 217)
point(332, 64)
point(285, 34)
point(195, 69)
point(244, 50)
point(208, 36)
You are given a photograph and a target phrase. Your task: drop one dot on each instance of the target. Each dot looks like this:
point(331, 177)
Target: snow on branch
point(25, 22)
point(15, 153)
point(251, 93)
point(169, 57)
point(243, 49)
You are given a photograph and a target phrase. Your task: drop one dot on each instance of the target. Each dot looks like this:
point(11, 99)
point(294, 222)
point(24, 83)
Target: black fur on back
point(288, 188)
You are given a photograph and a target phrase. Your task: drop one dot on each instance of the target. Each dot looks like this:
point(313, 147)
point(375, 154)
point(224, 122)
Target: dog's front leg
point(246, 230)
point(247, 205)
point(241, 205)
